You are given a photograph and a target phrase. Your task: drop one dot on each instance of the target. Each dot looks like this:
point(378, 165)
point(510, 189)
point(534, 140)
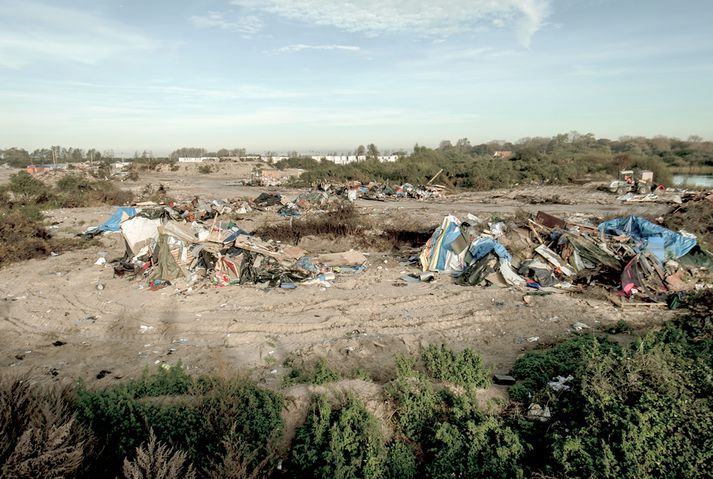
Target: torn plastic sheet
point(651, 235)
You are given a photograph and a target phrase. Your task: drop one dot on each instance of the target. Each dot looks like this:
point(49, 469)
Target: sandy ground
point(360, 322)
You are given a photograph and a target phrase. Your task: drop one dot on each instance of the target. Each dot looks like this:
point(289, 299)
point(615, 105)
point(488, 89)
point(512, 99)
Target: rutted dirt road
point(363, 320)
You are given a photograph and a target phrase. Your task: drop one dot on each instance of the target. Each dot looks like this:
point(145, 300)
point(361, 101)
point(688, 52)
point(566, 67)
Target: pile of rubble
point(383, 191)
point(199, 243)
point(639, 261)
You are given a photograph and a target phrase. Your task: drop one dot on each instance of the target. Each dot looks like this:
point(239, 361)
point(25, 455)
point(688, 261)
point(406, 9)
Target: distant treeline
point(561, 159)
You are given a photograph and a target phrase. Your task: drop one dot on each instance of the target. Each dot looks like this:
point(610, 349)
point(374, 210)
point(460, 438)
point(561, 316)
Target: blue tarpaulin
point(483, 246)
point(112, 224)
point(662, 242)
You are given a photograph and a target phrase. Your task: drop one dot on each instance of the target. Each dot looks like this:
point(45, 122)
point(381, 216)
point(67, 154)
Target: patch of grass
point(318, 372)
point(621, 327)
point(464, 368)
point(342, 221)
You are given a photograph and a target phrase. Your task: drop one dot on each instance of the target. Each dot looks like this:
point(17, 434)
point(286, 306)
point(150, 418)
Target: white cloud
point(247, 25)
point(301, 46)
point(426, 17)
point(35, 32)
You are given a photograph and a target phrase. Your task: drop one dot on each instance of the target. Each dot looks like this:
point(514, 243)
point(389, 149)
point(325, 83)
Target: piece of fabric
point(438, 253)
point(166, 267)
point(114, 222)
point(139, 232)
point(651, 236)
point(483, 246)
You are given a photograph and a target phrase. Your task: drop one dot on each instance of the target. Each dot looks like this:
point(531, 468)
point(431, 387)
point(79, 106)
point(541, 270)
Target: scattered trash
point(559, 383)
point(578, 327)
point(59, 343)
point(538, 413)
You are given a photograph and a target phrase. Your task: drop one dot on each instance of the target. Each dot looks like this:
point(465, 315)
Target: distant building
point(275, 159)
point(503, 154)
point(190, 160)
point(345, 159)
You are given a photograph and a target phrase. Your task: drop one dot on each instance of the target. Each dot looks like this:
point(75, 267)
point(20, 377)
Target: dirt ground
point(63, 317)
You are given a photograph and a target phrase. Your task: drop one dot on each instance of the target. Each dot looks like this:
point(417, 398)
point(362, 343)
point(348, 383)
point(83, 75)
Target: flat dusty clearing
point(363, 320)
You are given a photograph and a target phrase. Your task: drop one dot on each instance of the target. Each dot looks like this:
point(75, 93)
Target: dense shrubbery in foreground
point(642, 411)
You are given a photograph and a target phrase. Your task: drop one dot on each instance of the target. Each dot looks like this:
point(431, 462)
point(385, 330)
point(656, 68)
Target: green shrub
point(23, 183)
point(317, 373)
point(464, 368)
point(635, 415)
point(416, 403)
point(400, 461)
point(343, 443)
point(74, 183)
point(474, 446)
point(193, 415)
point(534, 369)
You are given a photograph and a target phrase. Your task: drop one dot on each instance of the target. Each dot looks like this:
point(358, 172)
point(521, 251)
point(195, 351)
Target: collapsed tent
point(164, 249)
point(452, 249)
point(662, 242)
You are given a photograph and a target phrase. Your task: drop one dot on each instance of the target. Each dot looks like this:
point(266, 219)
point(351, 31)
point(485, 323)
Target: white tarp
point(139, 232)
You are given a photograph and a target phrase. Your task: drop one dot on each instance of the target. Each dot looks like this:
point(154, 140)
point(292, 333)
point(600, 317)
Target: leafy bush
point(318, 372)
point(400, 461)
point(193, 415)
point(536, 368)
point(339, 443)
point(635, 415)
point(464, 368)
point(471, 444)
point(416, 400)
point(23, 183)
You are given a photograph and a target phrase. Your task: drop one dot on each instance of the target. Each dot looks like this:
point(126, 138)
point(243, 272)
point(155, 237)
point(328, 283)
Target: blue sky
point(328, 75)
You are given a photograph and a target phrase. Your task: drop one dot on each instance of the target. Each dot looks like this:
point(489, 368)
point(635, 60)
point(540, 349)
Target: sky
point(329, 75)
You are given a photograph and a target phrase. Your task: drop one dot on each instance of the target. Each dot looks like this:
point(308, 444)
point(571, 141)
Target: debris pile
point(383, 191)
point(165, 245)
point(636, 259)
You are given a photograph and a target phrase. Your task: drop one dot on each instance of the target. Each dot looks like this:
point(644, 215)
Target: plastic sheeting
point(660, 241)
point(114, 223)
point(438, 255)
point(483, 246)
point(139, 232)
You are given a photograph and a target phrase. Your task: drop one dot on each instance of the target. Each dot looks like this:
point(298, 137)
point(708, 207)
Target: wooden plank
point(554, 259)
